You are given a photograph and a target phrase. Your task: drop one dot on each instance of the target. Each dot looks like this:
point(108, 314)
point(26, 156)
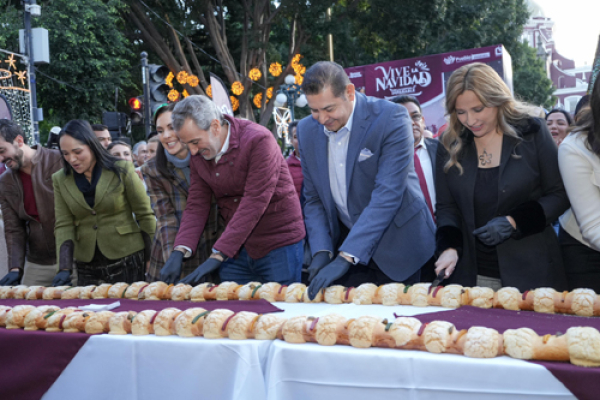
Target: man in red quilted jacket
point(240, 164)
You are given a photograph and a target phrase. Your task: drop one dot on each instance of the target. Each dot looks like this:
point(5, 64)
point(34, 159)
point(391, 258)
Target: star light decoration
point(258, 100)
point(255, 74)
point(237, 88)
point(275, 69)
point(12, 63)
point(21, 76)
point(235, 103)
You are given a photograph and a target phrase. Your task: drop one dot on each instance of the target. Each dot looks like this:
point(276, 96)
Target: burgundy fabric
point(254, 191)
point(258, 306)
point(32, 360)
point(423, 183)
point(583, 382)
point(29, 196)
point(295, 167)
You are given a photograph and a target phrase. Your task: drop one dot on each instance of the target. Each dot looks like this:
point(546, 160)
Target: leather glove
point(320, 260)
point(10, 279)
point(147, 246)
point(332, 271)
point(62, 278)
point(65, 256)
point(495, 231)
point(171, 271)
point(206, 267)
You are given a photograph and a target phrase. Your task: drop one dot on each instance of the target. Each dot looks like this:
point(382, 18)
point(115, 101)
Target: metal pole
point(31, 73)
point(146, 83)
point(330, 37)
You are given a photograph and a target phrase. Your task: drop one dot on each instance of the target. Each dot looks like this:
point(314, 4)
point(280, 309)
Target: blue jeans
point(282, 265)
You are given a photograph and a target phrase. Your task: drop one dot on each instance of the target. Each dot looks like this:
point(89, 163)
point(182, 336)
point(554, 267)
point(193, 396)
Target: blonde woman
point(498, 188)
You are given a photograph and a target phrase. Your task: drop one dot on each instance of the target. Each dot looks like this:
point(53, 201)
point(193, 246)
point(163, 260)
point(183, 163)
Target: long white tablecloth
point(164, 368)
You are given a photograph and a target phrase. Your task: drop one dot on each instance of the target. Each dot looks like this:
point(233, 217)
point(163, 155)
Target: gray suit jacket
point(390, 219)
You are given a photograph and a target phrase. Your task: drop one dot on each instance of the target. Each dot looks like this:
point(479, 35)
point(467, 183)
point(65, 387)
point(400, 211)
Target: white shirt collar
point(225, 145)
point(422, 143)
point(348, 124)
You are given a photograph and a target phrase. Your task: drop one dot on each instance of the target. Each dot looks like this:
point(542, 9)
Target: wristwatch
point(215, 251)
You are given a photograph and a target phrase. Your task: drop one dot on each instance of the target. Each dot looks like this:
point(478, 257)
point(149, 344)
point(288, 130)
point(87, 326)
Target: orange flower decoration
point(270, 92)
point(235, 103)
point(173, 95)
point(299, 79)
point(192, 80)
point(169, 80)
point(258, 100)
point(185, 94)
point(296, 59)
point(275, 69)
point(255, 74)
point(182, 77)
point(209, 91)
point(237, 88)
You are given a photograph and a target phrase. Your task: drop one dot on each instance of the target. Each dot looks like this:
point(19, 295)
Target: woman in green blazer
point(96, 196)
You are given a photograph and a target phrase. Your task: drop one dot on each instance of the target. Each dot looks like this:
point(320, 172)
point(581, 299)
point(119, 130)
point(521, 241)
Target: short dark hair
point(81, 130)
point(9, 130)
point(405, 98)
point(99, 127)
point(325, 73)
point(118, 143)
point(292, 125)
point(563, 112)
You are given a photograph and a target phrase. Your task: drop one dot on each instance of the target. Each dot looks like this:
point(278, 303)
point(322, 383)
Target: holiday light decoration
point(209, 91)
point(275, 69)
point(173, 95)
point(255, 74)
point(258, 100)
point(185, 94)
point(169, 80)
point(299, 79)
point(192, 80)
point(182, 77)
point(237, 88)
point(270, 92)
point(235, 103)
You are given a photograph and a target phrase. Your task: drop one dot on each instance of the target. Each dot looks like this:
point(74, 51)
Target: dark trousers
point(370, 273)
point(101, 270)
point(582, 264)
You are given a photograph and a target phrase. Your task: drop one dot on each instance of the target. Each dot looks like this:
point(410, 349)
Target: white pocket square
point(364, 154)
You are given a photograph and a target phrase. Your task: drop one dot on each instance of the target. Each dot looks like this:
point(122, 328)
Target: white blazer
point(580, 171)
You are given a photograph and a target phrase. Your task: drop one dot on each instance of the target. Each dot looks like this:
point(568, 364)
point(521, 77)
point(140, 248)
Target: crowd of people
point(366, 195)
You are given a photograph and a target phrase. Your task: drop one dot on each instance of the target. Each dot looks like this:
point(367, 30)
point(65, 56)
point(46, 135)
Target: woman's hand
point(446, 261)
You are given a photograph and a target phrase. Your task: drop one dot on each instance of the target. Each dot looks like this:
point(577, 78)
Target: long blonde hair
point(491, 90)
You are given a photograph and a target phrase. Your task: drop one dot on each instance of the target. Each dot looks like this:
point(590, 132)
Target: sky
point(576, 27)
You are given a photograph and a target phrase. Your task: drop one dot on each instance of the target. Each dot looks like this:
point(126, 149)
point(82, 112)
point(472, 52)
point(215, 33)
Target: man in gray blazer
point(363, 204)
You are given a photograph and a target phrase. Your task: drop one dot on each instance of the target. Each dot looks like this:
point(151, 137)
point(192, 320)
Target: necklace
point(485, 158)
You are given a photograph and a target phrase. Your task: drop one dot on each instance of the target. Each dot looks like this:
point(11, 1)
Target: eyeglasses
point(416, 117)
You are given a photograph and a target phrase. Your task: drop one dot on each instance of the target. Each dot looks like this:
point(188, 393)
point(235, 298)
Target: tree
point(89, 57)
point(530, 80)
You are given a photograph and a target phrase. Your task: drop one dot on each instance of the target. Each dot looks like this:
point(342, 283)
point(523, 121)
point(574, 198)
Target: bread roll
point(451, 296)
point(190, 323)
point(227, 291)
point(525, 344)
point(419, 294)
point(120, 323)
point(267, 326)
point(249, 291)
point(318, 297)
point(181, 292)
point(584, 346)
point(143, 322)
point(117, 291)
point(54, 293)
point(508, 298)
point(241, 325)
point(210, 292)
point(334, 294)
point(389, 294)
point(328, 328)
point(406, 332)
point(164, 323)
point(4, 291)
point(98, 322)
point(135, 289)
point(101, 291)
point(526, 303)
point(364, 294)
point(482, 343)
point(155, 291)
point(438, 336)
point(76, 321)
point(20, 292)
point(294, 328)
point(16, 316)
point(197, 293)
point(361, 331)
point(482, 297)
point(543, 300)
point(271, 292)
point(294, 292)
point(582, 302)
point(71, 293)
point(56, 320)
point(3, 314)
point(215, 323)
point(36, 319)
point(86, 292)
point(35, 292)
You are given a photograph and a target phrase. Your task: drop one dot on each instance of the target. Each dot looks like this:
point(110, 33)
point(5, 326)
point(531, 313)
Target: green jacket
point(110, 223)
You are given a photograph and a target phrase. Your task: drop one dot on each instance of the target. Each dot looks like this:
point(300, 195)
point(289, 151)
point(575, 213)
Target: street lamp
point(32, 10)
point(291, 94)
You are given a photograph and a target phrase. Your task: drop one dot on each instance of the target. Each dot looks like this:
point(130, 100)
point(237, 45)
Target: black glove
point(63, 278)
point(206, 267)
point(495, 232)
point(171, 271)
point(320, 260)
point(65, 257)
point(334, 270)
point(147, 246)
point(10, 279)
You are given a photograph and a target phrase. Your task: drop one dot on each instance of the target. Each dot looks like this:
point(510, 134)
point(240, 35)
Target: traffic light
point(158, 87)
point(136, 114)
